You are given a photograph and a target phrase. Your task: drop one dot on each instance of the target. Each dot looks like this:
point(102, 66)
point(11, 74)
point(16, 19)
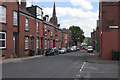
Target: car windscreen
point(63, 49)
point(89, 48)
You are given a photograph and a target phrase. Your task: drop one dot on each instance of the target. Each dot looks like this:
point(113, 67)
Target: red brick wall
point(109, 15)
point(109, 43)
point(23, 33)
point(119, 28)
point(109, 12)
point(9, 28)
point(40, 35)
point(98, 38)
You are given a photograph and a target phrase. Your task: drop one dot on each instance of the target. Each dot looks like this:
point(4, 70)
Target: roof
point(48, 23)
point(21, 9)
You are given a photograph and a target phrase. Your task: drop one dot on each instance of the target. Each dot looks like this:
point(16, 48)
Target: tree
point(77, 34)
point(88, 40)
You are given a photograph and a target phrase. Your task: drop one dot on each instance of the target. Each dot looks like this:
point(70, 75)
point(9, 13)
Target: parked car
point(83, 48)
point(78, 48)
point(89, 49)
point(74, 48)
point(68, 49)
point(62, 50)
point(51, 51)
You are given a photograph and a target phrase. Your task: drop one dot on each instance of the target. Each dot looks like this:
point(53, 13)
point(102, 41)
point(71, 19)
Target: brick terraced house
point(9, 24)
point(24, 30)
point(107, 31)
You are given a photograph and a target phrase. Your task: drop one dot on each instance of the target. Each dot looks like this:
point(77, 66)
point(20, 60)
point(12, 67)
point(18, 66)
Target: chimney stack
point(23, 3)
point(58, 25)
point(47, 18)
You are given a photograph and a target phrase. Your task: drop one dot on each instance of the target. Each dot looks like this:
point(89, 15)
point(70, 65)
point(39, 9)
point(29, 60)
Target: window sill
point(26, 49)
point(3, 23)
point(37, 32)
point(26, 30)
point(3, 48)
point(15, 25)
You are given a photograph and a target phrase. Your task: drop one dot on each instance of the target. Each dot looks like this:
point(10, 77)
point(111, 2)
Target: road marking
point(91, 54)
point(82, 66)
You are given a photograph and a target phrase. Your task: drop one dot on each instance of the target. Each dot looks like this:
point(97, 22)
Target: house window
point(2, 14)
point(26, 43)
point(39, 13)
point(26, 24)
point(45, 29)
point(51, 43)
point(45, 44)
point(56, 33)
point(37, 43)
point(37, 27)
point(59, 35)
point(47, 19)
point(15, 18)
point(2, 40)
point(51, 31)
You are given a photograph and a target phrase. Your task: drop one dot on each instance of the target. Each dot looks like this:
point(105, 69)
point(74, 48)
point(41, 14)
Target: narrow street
point(70, 65)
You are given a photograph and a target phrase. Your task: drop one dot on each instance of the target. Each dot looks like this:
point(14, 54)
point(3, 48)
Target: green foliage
point(88, 40)
point(77, 34)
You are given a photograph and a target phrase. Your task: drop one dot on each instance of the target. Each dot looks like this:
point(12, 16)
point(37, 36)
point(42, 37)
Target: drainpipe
point(18, 28)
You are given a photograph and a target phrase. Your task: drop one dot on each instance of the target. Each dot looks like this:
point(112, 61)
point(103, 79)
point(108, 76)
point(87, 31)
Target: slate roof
point(22, 10)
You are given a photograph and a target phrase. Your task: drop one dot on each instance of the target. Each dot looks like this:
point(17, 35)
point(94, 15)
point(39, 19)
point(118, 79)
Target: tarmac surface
point(79, 64)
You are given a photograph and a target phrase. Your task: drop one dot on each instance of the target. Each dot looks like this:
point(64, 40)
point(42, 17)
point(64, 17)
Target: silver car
point(62, 50)
point(89, 49)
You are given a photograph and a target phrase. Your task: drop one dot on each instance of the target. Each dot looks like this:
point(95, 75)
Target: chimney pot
point(23, 3)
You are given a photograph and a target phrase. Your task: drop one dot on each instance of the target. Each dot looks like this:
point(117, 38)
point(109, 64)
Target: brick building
point(9, 28)
point(68, 38)
point(108, 28)
point(24, 30)
point(98, 37)
point(93, 39)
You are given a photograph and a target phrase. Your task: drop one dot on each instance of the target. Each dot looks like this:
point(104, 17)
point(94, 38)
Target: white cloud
point(28, 4)
point(82, 3)
point(74, 16)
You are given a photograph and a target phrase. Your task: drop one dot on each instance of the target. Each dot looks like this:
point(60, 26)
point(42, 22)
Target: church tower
point(53, 19)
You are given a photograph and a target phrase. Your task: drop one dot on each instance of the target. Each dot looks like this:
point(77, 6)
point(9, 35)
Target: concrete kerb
point(97, 59)
point(19, 59)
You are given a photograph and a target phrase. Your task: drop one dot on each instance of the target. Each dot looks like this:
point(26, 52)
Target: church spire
point(54, 11)
point(53, 19)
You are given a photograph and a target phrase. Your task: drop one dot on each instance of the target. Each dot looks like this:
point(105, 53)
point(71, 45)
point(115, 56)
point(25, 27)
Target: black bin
point(40, 52)
point(115, 55)
point(31, 53)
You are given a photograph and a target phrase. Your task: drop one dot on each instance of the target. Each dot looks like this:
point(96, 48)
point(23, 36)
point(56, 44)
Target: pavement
point(79, 64)
point(18, 59)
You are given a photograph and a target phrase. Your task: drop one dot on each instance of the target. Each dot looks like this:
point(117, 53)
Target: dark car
point(51, 51)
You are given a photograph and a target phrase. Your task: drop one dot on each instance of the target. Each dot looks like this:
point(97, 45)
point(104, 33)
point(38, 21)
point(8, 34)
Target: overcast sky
point(83, 13)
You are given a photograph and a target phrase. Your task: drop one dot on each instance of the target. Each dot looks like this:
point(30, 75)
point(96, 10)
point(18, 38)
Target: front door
point(53, 43)
point(14, 53)
point(32, 43)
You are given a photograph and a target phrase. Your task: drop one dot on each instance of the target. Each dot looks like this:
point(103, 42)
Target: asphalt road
point(70, 65)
